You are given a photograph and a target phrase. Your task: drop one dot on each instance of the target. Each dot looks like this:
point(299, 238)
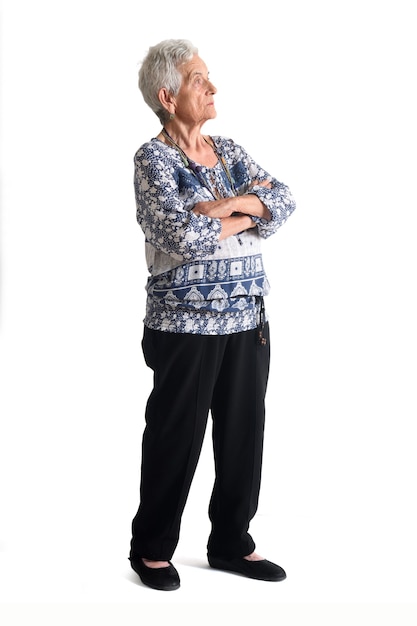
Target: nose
point(210, 87)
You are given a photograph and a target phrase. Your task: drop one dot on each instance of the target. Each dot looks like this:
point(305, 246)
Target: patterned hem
point(202, 322)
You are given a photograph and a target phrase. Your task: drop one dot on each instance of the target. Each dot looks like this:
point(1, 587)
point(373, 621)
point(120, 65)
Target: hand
point(216, 208)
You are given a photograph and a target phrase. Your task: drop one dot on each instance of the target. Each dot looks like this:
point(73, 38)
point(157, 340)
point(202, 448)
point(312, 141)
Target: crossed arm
point(235, 212)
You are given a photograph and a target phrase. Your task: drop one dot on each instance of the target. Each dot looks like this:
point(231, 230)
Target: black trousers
point(195, 374)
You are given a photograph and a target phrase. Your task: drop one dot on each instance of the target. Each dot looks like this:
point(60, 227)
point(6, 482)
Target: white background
point(322, 94)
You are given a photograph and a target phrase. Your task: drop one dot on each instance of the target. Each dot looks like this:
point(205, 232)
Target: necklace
point(197, 170)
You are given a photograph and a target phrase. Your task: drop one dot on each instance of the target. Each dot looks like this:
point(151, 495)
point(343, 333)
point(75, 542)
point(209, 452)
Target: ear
point(167, 100)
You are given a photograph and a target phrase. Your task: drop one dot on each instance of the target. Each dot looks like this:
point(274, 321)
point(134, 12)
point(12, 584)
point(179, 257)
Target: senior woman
point(204, 206)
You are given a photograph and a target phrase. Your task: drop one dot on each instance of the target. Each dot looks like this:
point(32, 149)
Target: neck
point(187, 138)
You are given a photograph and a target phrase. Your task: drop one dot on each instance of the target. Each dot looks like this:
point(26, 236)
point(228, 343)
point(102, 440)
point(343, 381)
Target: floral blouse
point(198, 284)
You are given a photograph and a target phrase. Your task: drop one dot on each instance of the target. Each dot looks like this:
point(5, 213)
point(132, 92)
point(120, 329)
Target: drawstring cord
point(261, 339)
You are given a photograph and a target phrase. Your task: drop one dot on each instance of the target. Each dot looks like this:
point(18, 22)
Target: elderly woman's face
point(194, 102)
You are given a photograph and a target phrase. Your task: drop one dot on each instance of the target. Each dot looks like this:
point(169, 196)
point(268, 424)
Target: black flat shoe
point(161, 578)
point(260, 570)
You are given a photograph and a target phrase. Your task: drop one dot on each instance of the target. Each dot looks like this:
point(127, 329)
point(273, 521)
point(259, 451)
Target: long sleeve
point(280, 203)
point(245, 171)
point(163, 211)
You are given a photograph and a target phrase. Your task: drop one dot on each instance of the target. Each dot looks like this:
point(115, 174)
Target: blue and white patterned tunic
point(197, 283)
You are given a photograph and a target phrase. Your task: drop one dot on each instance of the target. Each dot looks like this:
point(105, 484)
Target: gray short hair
point(159, 70)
